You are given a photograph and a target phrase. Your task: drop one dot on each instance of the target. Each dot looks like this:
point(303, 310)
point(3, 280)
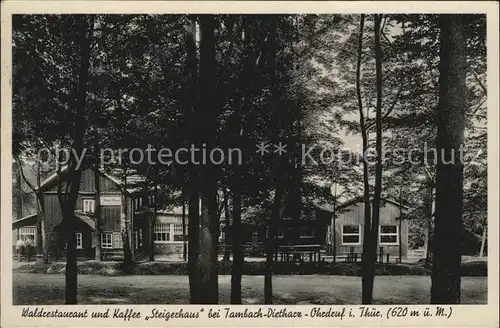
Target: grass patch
point(48, 289)
point(105, 268)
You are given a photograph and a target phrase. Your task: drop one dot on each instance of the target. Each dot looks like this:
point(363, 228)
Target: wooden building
point(347, 236)
point(316, 229)
point(308, 232)
point(138, 203)
point(171, 235)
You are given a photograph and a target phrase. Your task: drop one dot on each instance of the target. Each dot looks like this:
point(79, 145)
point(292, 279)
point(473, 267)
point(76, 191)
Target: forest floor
point(48, 289)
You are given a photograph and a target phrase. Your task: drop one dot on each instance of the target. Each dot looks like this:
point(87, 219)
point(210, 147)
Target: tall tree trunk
point(152, 220)
point(236, 183)
point(41, 224)
point(483, 239)
point(184, 241)
point(367, 283)
point(97, 212)
point(400, 244)
point(43, 228)
point(295, 196)
point(227, 253)
point(428, 199)
point(97, 207)
point(194, 241)
point(209, 223)
point(193, 174)
point(271, 244)
point(296, 169)
point(19, 186)
point(41, 217)
point(151, 230)
point(85, 31)
point(378, 164)
point(276, 214)
point(449, 174)
point(238, 254)
point(333, 230)
point(124, 219)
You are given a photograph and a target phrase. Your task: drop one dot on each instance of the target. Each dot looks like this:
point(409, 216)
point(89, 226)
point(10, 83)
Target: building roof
point(86, 218)
point(53, 179)
point(23, 219)
point(360, 199)
point(134, 180)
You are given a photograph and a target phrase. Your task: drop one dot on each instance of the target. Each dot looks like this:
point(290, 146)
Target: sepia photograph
point(248, 159)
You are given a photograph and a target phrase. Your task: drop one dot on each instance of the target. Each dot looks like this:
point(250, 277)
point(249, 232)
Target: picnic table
point(292, 253)
point(353, 257)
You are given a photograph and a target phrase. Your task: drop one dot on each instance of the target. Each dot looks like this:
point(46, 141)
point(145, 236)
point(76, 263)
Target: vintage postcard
point(253, 164)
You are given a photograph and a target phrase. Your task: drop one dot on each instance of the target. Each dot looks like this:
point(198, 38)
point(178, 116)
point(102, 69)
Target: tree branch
point(30, 185)
point(481, 84)
point(358, 79)
point(428, 173)
point(391, 107)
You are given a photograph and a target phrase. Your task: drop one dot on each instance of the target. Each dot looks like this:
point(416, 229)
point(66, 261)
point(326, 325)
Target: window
point(79, 240)
point(351, 234)
point(168, 232)
point(88, 206)
point(178, 231)
point(388, 235)
point(107, 240)
point(140, 237)
point(27, 234)
point(306, 232)
point(279, 233)
point(178, 228)
point(140, 202)
point(162, 233)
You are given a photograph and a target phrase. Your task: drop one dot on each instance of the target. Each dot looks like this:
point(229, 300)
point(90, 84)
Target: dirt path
point(313, 289)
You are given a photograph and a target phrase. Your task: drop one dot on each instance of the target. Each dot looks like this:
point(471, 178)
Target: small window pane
point(388, 239)
point(350, 239)
point(107, 240)
point(162, 236)
point(79, 240)
point(306, 232)
point(178, 228)
point(350, 228)
point(388, 229)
